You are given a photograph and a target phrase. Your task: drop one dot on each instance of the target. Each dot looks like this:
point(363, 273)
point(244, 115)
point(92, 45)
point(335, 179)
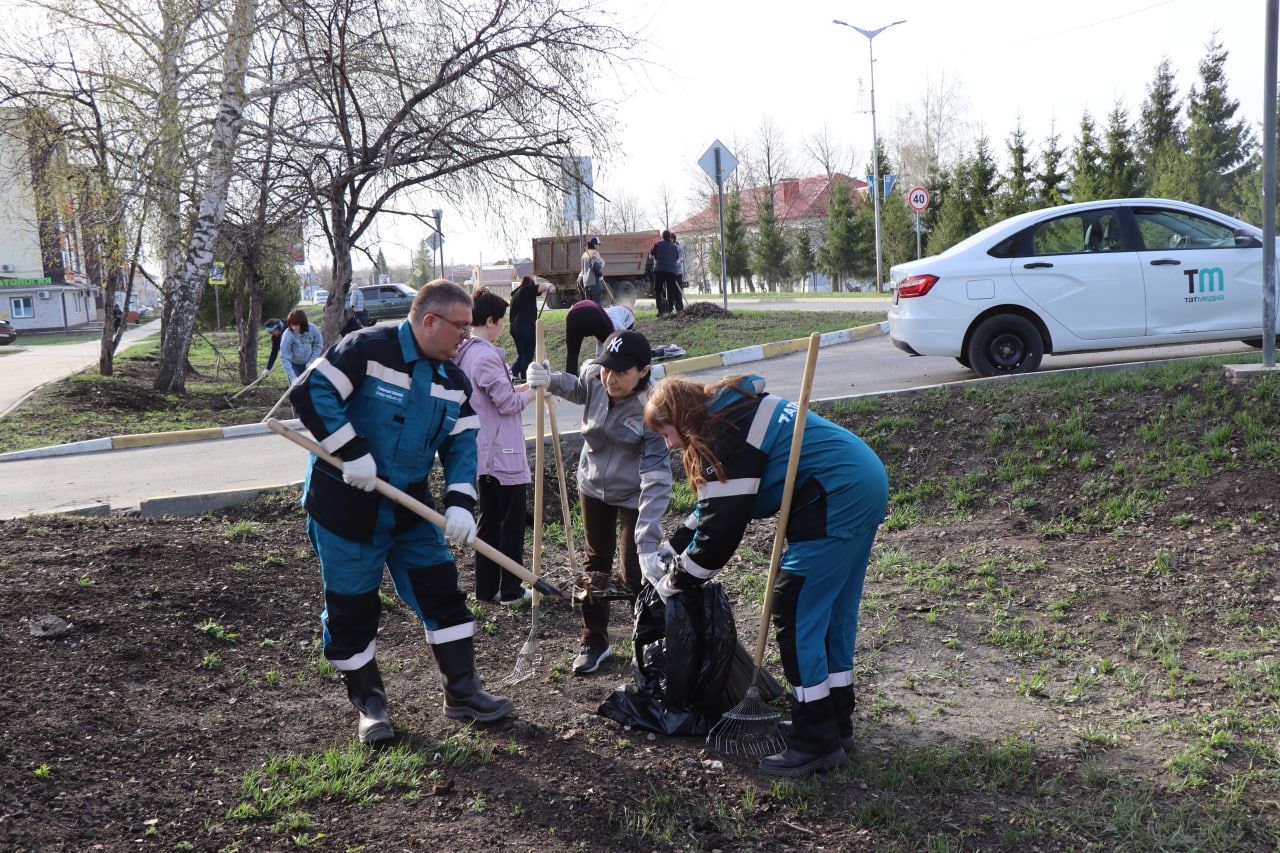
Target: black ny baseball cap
point(625, 350)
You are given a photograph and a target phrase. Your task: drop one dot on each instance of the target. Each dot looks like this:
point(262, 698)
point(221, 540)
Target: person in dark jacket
point(275, 328)
point(524, 314)
point(386, 400)
point(666, 271)
point(737, 443)
point(587, 319)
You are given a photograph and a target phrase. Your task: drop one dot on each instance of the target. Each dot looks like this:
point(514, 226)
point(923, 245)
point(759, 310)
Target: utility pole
point(875, 139)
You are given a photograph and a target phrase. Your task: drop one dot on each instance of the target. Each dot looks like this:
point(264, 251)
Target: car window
point(391, 293)
point(1165, 228)
point(1079, 233)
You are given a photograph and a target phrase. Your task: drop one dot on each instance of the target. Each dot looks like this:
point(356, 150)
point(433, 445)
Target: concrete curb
point(207, 502)
point(760, 352)
point(148, 439)
point(684, 365)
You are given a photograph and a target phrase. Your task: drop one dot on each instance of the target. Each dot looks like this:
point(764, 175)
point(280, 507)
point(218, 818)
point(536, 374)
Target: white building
point(38, 289)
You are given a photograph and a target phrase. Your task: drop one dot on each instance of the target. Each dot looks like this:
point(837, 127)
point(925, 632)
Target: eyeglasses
point(464, 329)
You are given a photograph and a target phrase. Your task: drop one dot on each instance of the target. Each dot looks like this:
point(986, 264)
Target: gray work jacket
point(622, 463)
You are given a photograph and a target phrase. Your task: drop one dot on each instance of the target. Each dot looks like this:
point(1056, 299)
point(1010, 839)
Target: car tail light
point(916, 285)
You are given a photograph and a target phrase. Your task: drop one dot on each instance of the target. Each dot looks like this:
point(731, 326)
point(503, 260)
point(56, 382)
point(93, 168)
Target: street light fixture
point(875, 139)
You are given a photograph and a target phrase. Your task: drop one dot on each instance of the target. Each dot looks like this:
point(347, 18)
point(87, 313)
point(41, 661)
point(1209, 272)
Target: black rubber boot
point(464, 696)
point(364, 689)
point(813, 745)
point(842, 700)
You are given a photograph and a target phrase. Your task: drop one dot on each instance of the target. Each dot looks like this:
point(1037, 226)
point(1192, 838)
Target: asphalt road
point(125, 477)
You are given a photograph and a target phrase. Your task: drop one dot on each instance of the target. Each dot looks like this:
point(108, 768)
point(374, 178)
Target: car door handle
point(1166, 262)
point(1038, 265)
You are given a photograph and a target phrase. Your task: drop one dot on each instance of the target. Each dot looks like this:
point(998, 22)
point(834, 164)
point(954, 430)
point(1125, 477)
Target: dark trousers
point(610, 530)
point(579, 325)
point(525, 339)
point(666, 291)
point(500, 521)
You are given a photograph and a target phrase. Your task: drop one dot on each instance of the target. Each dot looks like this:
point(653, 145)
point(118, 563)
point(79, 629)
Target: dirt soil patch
point(1068, 641)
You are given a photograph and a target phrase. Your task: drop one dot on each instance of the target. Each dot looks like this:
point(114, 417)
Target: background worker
point(587, 319)
point(737, 442)
point(624, 477)
point(524, 314)
point(275, 328)
point(503, 464)
point(592, 274)
point(300, 345)
point(386, 401)
point(666, 288)
point(355, 303)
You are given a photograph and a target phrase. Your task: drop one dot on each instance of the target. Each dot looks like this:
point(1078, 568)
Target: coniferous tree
point(380, 265)
point(737, 244)
point(1218, 143)
point(1086, 173)
point(803, 258)
point(423, 269)
point(1120, 171)
point(1159, 124)
point(1052, 176)
point(837, 250)
point(983, 178)
point(769, 254)
point(953, 216)
point(1018, 191)
point(1251, 197)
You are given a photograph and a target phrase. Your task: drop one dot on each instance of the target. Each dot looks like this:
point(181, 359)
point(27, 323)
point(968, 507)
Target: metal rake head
point(749, 729)
point(529, 656)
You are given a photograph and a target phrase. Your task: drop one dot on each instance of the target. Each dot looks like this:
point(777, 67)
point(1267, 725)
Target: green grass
point(744, 328)
point(42, 340)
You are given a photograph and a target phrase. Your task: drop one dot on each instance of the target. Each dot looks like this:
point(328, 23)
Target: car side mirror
point(1246, 240)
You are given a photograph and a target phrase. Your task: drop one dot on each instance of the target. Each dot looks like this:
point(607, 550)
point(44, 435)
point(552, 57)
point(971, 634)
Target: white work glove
point(263, 375)
point(652, 568)
point(459, 525)
point(361, 472)
point(538, 375)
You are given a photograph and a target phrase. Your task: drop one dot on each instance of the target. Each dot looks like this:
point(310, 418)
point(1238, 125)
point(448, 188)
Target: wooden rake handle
point(414, 505)
point(539, 452)
point(788, 489)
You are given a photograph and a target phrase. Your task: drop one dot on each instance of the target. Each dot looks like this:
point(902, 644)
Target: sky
point(713, 69)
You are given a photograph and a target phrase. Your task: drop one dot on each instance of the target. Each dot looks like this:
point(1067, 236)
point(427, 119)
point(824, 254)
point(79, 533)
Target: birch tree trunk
point(189, 286)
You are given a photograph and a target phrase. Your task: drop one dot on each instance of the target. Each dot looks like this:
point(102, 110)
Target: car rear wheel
point(1005, 343)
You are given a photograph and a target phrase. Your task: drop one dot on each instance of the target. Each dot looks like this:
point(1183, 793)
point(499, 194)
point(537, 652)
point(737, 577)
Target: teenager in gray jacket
point(624, 476)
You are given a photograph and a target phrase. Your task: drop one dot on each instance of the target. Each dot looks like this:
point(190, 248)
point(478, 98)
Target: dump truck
point(559, 261)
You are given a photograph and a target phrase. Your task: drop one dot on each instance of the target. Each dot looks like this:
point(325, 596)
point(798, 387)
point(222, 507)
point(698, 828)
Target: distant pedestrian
point(116, 317)
point(592, 275)
point(679, 292)
point(666, 288)
point(355, 302)
point(524, 314)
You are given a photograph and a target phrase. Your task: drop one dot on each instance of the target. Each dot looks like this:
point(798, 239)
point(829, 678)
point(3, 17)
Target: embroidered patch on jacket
point(391, 395)
point(635, 423)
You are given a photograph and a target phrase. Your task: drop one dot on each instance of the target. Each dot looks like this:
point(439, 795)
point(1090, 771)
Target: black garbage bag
point(683, 651)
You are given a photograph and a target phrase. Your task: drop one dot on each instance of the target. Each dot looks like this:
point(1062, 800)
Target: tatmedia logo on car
point(1208, 280)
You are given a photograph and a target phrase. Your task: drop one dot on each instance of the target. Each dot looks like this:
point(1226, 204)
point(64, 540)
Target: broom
point(750, 728)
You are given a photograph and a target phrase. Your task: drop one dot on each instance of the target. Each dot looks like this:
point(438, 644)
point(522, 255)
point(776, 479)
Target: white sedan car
point(1091, 276)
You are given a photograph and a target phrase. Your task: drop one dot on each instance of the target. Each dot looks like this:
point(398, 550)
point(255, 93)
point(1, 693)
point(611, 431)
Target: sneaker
point(589, 659)
point(522, 600)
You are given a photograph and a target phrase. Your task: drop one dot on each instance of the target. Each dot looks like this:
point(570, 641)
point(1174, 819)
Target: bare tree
point(620, 215)
point(473, 99)
point(771, 154)
point(829, 154)
point(933, 133)
point(186, 290)
point(665, 205)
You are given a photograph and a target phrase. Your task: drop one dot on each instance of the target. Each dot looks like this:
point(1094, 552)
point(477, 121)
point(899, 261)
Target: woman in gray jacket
point(624, 477)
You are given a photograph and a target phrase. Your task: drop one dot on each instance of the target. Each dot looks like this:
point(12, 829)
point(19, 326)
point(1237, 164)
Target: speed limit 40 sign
point(918, 198)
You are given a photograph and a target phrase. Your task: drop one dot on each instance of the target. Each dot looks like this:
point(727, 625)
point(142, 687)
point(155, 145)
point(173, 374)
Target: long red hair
point(684, 404)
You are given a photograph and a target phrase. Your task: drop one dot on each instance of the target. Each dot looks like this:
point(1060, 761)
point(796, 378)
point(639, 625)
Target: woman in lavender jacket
point(503, 467)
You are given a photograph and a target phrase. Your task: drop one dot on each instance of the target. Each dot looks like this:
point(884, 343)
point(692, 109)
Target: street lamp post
point(875, 139)
point(437, 214)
